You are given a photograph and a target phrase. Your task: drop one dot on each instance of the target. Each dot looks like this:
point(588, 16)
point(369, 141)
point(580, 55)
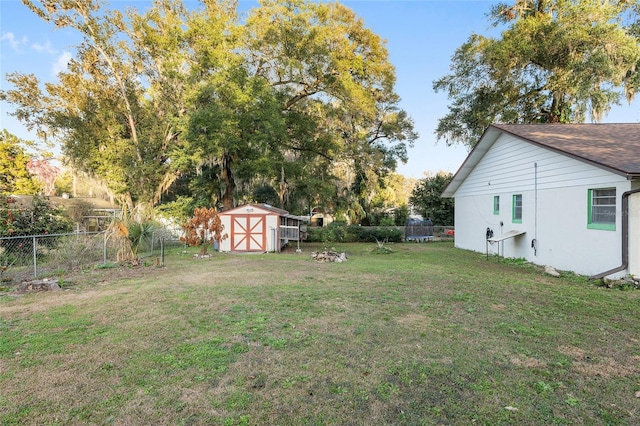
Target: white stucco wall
point(634, 234)
point(554, 192)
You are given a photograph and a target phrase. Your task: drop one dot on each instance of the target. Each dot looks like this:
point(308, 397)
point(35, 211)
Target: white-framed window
point(516, 209)
point(601, 212)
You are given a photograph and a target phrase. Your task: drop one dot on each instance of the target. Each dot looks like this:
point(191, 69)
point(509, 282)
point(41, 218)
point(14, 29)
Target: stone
point(39, 285)
point(550, 270)
point(329, 256)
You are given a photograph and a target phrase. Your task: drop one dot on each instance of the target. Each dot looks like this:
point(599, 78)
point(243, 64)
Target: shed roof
point(613, 147)
point(266, 207)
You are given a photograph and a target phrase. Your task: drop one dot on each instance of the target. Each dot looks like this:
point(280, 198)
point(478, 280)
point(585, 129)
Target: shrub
point(140, 234)
point(40, 218)
point(75, 251)
point(371, 234)
point(340, 232)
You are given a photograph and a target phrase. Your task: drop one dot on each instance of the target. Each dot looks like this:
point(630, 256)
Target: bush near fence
point(54, 254)
point(338, 232)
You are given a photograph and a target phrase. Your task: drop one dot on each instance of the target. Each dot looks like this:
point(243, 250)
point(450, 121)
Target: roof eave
point(487, 139)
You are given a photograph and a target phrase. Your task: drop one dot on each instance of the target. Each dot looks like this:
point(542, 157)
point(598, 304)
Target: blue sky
point(421, 36)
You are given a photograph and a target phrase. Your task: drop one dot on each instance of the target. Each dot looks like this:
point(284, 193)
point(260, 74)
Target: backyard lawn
point(427, 334)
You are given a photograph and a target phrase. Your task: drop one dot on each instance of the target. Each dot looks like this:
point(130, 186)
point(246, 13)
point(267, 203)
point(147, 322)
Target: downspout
point(534, 243)
point(625, 238)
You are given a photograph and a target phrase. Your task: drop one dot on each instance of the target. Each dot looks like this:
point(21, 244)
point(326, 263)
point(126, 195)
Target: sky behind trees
point(421, 38)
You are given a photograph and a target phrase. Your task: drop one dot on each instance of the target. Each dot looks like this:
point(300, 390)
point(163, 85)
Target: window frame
point(496, 204)
point(514, 208)
point(609, 226)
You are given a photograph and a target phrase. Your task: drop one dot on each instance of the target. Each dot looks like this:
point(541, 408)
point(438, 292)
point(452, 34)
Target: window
point(516, 213)
point(496, 204)
point(602, 209)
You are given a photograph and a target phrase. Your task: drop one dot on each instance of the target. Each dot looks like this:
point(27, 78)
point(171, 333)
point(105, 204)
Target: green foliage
point(266, 194)
point(140, 235)
point(557, 61)
point(296, 96)
point(340, 232)
point(387, 220)
point(14, 175)
point(39, 218)
point(380, 248)
point(118, 100)
point(426, 198)
point(400, 215)
point(179, 210)
point(64, 183)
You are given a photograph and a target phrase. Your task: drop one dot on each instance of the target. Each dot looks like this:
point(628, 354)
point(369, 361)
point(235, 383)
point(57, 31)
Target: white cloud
point(13, 41)
point(44, 48)
point(61, 64)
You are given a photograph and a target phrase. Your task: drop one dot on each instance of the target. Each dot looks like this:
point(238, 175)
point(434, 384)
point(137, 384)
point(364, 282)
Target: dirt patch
point(413, 320)
point(78, 286)
point(528, 362)
point(608, 367)
point(573, 352)
point(604, 366)
point(499, 307)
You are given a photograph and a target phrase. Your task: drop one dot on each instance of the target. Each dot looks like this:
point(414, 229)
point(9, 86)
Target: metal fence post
point(104, 249)
point(35, 262)
point(162, 251)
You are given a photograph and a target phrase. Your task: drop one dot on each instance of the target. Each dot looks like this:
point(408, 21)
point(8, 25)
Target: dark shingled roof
point(612, 146)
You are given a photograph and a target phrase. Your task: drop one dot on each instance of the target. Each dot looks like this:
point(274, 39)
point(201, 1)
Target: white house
point(258, 228)
point(564, 195)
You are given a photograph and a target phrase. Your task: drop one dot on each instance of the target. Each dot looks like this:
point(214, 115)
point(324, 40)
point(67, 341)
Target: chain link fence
point(28, 257)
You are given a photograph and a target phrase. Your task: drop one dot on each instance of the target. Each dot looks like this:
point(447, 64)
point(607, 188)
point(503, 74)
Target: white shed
point(258, 228)
point(564, 195)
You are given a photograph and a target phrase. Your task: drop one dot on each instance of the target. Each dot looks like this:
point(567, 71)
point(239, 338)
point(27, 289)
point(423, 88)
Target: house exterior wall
point(555, 190)
point(634, 234)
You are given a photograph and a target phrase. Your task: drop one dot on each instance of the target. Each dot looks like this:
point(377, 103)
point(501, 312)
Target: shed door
point(248, 233)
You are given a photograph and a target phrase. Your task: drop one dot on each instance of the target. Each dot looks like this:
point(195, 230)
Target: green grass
point(425, 334)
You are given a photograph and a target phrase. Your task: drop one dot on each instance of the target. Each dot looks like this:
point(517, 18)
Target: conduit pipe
point(625, 238)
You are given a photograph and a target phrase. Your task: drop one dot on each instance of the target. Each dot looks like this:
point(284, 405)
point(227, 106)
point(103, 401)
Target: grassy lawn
point(425, 335)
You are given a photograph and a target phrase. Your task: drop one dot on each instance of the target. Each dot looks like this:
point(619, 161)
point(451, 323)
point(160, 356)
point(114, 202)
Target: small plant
point(381, 248)
point(516, 261)
point(119, 231)
point(5, 264)
point(106, 266)
point(76, 251)
point(139, 233)
point(203, 229)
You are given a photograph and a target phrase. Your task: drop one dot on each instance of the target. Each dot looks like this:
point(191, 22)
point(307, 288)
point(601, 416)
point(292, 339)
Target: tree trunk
point(227, 197)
